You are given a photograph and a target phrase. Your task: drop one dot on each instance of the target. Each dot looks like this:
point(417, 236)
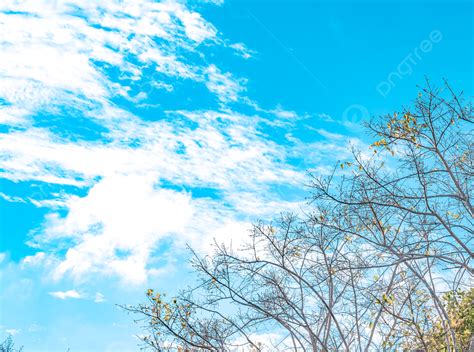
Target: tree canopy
point(381, 259)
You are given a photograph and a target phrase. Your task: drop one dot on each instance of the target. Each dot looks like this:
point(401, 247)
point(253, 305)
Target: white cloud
point(66, 294)
point(126, 210)
point(195, 27)
point(116, 226)
point(12, 115)
point(11, 199)
point(33, 328)
point(284, 114)
point(99, 298)
point(54, 60)
point(329, 135)
point(230, 154)
point(12, 332)
point(223, 84)
point(242, 50)
point(34, 260)
point(326, 117)
point(49, 54)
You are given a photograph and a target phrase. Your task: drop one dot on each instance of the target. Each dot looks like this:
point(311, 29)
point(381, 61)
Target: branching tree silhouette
point(8, 346)
point(379, 260)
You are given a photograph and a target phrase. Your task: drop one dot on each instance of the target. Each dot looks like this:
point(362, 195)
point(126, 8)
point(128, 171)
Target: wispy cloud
point(223, 84)
point(242, 50)
point(54, 51)
point(99, 298)
point(12, 332)
point(66, 294)
point(150, 174)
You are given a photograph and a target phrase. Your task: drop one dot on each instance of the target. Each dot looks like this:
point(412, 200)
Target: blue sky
point(131, 128)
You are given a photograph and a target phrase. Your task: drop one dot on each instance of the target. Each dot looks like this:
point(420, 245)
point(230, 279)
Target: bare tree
point(386, 235)
point(8, 346)
point(290, 280)
point(411, 200)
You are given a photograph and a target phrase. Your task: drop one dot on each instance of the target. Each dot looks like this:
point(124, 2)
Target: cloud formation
point(66, 294)
point(82, 91)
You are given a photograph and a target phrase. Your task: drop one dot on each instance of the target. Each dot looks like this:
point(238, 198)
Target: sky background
point(129, 129)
